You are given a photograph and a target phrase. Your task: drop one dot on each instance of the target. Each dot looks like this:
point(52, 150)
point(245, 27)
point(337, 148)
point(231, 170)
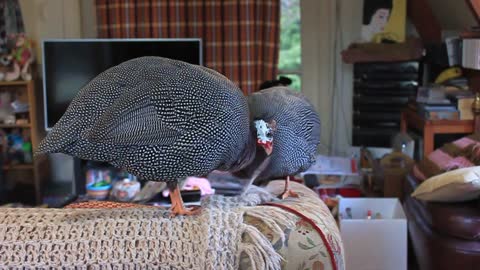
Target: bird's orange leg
point(177, 204)
point(288, 192)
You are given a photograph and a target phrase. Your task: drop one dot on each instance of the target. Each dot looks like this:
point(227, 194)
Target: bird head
point(265, 134)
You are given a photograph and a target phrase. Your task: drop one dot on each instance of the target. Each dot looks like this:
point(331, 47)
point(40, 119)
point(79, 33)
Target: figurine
point(22, 57)
point(369, 214)
point(349, 213)
point(98, 187)
point(27, 147)
point(15, 151)
point(27, 152)
point(125, 190)
point(6, 110)
point(5, 62)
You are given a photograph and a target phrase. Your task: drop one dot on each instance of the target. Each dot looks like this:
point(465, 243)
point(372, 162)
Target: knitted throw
point(141, 238)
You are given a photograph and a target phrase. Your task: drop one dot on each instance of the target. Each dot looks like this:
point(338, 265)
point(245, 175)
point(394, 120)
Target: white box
point(376, 244)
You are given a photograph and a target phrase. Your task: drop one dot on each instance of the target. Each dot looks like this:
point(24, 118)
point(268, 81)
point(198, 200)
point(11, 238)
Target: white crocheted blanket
point(141, 238)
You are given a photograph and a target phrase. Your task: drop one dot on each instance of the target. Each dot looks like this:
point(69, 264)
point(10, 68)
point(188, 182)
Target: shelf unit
point(31, 171)
point(381, 91)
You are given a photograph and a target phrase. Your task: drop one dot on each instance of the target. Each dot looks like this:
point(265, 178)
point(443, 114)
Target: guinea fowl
point(296, 136)
point(160, 120)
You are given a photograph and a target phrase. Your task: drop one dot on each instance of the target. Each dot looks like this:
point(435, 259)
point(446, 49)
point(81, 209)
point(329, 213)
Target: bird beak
point(268, 147)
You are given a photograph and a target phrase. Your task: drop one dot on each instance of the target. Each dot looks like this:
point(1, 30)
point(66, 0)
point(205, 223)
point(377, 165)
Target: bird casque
point(160, 120)
point(296, 135)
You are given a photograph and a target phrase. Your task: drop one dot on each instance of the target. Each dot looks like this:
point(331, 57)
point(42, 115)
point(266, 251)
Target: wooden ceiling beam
point(427, 25)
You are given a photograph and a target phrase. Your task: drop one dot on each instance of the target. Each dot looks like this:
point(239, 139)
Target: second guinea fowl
point(296, 136)
point(160, 120)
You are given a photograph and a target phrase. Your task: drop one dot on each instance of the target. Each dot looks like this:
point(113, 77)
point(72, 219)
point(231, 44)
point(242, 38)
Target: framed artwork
point(384, 21)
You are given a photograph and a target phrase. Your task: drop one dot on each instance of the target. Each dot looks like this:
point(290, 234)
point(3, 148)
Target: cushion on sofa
point(458, 154)
point(460, 220)
point(453, 186)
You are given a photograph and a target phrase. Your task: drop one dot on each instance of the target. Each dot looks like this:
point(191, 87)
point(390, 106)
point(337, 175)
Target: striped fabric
point(240, 37)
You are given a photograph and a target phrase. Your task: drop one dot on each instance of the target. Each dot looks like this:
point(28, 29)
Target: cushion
point(459, 219)
point(458, 154)
point(453, 186)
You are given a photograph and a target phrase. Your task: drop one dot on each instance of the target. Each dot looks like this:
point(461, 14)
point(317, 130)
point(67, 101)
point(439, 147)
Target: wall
point(51, 19)
point(45, 19)
point(88, 18)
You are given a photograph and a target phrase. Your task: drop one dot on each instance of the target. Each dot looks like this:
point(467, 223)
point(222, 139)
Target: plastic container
point(98, 193)
point(373, 243)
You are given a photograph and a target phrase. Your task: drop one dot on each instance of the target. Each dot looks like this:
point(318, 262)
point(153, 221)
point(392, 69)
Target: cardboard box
point(375, 244)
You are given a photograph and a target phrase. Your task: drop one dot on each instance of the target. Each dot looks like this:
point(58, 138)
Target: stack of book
point(439, 112)
point(433, 104)
point(463, 101)
point(450, 102)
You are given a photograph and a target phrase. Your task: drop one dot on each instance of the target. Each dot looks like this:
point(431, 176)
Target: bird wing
point(134, 120)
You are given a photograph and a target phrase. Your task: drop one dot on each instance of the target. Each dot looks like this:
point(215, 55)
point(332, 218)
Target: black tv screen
point(68, 65)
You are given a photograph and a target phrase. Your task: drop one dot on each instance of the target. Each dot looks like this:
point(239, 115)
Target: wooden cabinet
point(429, 128)
point(25, 171)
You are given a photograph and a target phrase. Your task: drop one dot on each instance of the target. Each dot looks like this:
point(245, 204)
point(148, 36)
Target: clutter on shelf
point(109, 183)
point(126, 189)
point(99, 183)
point(16, 146)
point(449, 99)
point(13, 108)
point(17, 62)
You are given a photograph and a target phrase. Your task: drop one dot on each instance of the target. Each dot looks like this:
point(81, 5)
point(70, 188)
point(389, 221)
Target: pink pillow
point(464, 142)
point(440, 158)
point(457, 163)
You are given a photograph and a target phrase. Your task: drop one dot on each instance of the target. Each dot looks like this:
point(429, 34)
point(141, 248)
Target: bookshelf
point(27, 173)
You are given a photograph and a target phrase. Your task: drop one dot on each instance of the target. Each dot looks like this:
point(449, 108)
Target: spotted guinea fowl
point(158, 119)
point(296, 136)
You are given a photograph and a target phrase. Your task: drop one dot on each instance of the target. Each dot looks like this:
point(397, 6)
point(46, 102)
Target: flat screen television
point(69, 64)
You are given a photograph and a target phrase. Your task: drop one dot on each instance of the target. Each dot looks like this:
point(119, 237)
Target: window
point(289, 63)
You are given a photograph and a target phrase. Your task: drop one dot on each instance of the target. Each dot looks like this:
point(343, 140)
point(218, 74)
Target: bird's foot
point(288, 193)
point(178, 208)
point(184, 211)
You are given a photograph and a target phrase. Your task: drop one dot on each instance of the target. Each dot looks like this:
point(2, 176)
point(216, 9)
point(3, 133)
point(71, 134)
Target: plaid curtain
point(240, 37)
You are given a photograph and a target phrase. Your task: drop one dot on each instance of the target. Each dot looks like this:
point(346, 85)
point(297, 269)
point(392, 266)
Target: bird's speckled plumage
point(297, 134)
point(157, 118)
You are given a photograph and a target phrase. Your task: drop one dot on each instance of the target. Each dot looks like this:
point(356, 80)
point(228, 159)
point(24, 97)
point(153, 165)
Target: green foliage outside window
point(290, 41)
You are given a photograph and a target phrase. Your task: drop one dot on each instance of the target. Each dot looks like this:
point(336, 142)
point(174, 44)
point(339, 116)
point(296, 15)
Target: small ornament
point(349, 213)
point(369, 214)
point(378, 215)
point(125, 190)
point(20, 57)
